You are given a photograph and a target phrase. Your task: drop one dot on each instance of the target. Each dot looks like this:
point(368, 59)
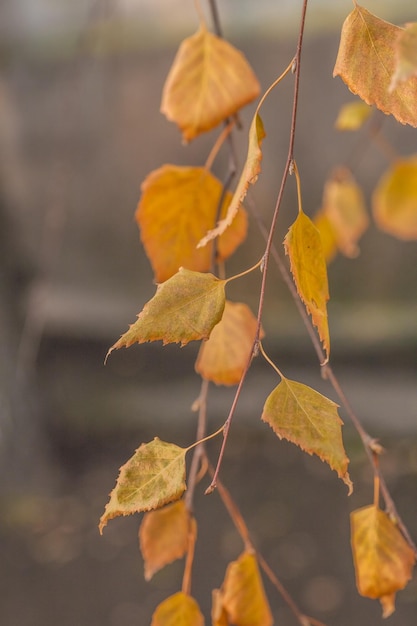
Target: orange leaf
point(406, 55)
point(394, 201)
point(353, 115)
point(327, 235)
point(218, 613)
point(163, 536)
point(209, 81)
point(366, 63)
point(248, 177)
point(178, 610)
point(383, 559)
point(185, 308)
point(308, 266)
point(178, 206)
point(224, 356)
point(244, 598)
point(303, 416)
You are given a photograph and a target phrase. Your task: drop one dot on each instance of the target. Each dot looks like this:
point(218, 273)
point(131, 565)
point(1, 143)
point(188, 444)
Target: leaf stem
point(271, 363)
point(204, 439)
point(248, 271)
point(294, 168)
point(188, 568)
point(218, 143)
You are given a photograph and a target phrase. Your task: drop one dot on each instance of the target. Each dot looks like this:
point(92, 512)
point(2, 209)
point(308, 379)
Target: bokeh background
point(80, 128)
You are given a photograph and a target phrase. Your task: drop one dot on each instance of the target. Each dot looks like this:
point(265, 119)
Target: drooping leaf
point(310, 420)
point(218, 613)
point(394, 201)
point(248, 177)
point(353, 115)
point(327, 235)
point(163, 536)
point(178, 610)
point(344, 205)
point(243, 594)
point(152, 477)
point(209, 81)
point(383, 559)
point(308, 266)
point(223, 357)
point(178, 206)
point(366, 63)
point(406, 55)
point(185, 308)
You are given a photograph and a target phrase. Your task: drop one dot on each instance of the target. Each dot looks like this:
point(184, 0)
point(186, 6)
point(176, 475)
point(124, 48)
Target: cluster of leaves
point(190, 224)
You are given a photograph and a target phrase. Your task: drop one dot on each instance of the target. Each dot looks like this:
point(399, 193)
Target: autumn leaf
point(163, 536)
point(178, 206)
point(209, 81)
point(394, 201)
point(152, 477)
point(185, 308)
point(327, 235)
point(353, 115)
point(224, 356)
point(308, 267)
point(243, 595)
point(248, 177)
point(405, 55)
point(366, 63)
point(383, 559)
point(310, 420)
point(218, 613)
point(178, 610)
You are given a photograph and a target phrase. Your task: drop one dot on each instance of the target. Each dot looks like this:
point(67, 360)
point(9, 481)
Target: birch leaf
point(178, 610)
point(405, 55)
point(353, 115)
point(327, 235)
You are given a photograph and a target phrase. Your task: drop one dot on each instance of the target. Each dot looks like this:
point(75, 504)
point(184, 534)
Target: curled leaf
point(178, 610)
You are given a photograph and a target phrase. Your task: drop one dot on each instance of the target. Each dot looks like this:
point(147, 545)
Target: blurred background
point(80, 128)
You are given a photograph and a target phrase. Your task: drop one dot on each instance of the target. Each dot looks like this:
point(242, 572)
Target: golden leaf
point(406, 55)
point(224, 356)
point(327, 235)
point(185, 308)
point(248, 177)
point(394, 201)
point(353, 115)
point(152, 477)
point(366, 63)
point(383, 559)
point(303, 416)
point(163, 536)
point(209, 81)
point(308, 266)
point(178, 610)
point(244, 599)
point(178, 206)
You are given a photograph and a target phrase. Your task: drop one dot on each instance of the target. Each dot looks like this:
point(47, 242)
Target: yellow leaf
point(344, 205)
point(406, 55)
point(248, 177)
point(185, 308)
point(383, 559)
point(152, 477)
point(327, 235)
point(163, 536)
point(303, 416)
point(209, 81)
point(366, 63)
point(308, 266)
point(178, 610)
point(353, 115)
point(178, 206)
point(244, 599)
point(224, 356)
point(394, 200)
point(218, 613)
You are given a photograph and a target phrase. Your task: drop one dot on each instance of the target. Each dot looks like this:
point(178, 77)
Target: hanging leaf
point(152, 477)
point(383, 559)
point(224, 356)
point(303, 416)
point(163, 536)
point(244, 599)
point(209, 81)
point(218, 613)
point(185, 308)
point(178, 206)
point(394, 200)
point(308, 266)
point(344, 205)
point(353, 115)
point(405, 55)
point(248, 177)
point(178, 610)
point(327, 235)
point(366, 63)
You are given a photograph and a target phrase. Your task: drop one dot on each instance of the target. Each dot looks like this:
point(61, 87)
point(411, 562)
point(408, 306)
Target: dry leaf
point(177, 208)
point(327, 235)
point(406, 55)
point(353, 115)
point(178, 610)
point(366, 63)
point(152, 477)
point(209, 81)
point(383, 559)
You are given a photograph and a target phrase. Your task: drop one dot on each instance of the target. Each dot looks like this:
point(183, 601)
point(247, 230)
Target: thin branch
point(199, 449)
